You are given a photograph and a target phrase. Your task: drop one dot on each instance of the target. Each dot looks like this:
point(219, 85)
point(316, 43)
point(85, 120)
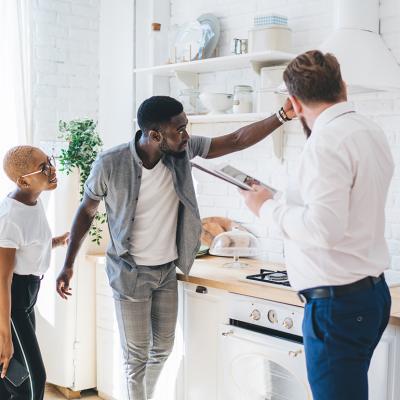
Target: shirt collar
point(332, 113)
point(132, 146)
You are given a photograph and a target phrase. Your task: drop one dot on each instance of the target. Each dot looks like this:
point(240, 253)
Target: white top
point(154, 228)
point(26, 229)
point(333, 217)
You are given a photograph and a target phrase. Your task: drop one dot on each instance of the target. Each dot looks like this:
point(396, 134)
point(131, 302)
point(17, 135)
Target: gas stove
point(279, 278)
point(270, 277)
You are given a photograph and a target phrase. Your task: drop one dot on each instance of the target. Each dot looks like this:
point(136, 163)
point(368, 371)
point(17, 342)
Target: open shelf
point(256, 60)
point(215, 118)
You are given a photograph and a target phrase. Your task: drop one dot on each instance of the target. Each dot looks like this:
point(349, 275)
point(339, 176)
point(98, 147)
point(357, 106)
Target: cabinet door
point(111, 382)
point(384, 364)
point(203, 312)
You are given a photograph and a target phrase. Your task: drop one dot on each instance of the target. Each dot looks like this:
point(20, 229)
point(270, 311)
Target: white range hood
point(366, 63)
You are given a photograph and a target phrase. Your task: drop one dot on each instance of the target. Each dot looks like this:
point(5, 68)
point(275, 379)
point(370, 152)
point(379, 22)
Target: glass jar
point(242, 99)
point(190, 101)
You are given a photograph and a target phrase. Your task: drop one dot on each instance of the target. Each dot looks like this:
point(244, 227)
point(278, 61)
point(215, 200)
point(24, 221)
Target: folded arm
point(325, 181)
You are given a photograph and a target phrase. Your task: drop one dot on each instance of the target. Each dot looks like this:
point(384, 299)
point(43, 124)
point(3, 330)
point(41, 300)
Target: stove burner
point(273, 277)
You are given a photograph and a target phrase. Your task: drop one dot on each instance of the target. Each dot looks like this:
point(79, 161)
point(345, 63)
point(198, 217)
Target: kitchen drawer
point(105, 313)
point(110, 369)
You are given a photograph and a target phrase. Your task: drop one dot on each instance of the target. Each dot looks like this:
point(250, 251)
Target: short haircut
point(18, 161)
point(157, 110)
point(314, 77)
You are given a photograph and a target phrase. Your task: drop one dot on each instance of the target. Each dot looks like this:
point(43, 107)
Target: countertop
point(209, 271)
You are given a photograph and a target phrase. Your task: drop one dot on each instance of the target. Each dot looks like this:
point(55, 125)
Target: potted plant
point(84, 143)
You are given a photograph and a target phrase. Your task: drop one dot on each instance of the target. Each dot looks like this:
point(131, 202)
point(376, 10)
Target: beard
point(165, 149)
point(306, 128)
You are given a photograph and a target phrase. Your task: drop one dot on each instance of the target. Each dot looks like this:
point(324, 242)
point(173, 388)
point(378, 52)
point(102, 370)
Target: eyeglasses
point(46, 169)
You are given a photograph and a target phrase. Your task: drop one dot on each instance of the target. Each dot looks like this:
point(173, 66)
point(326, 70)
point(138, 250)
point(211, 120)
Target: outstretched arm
point(80, 227)
point(248, 135)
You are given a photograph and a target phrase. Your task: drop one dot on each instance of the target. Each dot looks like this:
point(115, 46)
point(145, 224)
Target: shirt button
point(137, 198)
point(139, 176)
point(128, 238)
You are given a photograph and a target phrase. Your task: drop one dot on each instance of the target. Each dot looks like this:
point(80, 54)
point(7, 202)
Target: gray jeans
point(147, 321)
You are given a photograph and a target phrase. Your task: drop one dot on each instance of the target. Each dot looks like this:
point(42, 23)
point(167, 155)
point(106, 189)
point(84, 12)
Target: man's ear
point(22, 183)
point(344, 89)
point(297, 106)
point(155, 135)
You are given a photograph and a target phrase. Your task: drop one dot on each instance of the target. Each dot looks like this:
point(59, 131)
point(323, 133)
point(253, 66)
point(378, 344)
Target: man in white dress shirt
point(333, 222)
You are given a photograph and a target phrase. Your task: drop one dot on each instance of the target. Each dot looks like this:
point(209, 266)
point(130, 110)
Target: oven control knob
point(272, 317)
point(255, 315)
point(288, 323)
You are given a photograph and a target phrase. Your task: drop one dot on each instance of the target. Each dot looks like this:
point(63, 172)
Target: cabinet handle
point(201, 289)
point(228, 333)
point(294, 354)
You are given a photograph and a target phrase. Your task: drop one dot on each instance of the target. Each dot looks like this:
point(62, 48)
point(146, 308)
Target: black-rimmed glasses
point(46, 169)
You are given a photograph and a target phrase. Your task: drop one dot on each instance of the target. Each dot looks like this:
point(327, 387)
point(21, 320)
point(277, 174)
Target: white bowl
point(217, 103)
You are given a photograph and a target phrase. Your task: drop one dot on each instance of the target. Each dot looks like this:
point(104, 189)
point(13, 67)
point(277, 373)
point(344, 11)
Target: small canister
point(242, 99)
point(274, 37)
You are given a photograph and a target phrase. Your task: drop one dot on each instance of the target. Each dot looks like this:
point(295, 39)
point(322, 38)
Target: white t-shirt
point(154, 228)
point(26, 229)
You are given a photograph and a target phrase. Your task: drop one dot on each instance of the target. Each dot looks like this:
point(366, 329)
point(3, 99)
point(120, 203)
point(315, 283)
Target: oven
point(261, 352)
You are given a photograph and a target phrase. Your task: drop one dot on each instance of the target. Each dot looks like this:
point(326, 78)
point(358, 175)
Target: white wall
point(65, 63)
point(311, 22)
point(116, 51)
point(65, 73)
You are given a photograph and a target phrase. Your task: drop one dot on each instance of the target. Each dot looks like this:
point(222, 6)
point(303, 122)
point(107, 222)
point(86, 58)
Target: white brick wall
point(64, 63)
point(311, 21)
point(65, 86)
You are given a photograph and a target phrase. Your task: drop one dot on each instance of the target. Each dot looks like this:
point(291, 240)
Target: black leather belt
point(336, 291)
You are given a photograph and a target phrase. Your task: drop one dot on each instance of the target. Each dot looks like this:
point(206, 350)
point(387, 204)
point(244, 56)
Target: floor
point(53, 394)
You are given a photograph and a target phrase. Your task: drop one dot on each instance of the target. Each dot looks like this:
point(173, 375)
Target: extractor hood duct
point(366, 63)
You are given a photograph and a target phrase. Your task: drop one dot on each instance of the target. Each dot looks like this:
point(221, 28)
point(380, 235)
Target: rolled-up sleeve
point(199, 146)
point(96, 185)
point(10, 235)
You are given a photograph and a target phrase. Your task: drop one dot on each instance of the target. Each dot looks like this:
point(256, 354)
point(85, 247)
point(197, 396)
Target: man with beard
point(154, 226)
point(333, 223)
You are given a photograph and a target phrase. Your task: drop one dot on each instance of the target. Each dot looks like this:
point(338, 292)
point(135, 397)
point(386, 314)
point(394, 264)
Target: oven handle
point(291, 353)
point(294, 354)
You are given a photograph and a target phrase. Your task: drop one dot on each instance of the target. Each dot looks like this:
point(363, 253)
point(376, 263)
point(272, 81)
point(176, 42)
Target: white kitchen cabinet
point(111, 383)
point(203, 312)
point(66, 329)
point(384, 368)
point(110, 371)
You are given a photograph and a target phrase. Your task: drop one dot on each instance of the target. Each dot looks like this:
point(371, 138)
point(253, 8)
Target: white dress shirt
point(333, 216)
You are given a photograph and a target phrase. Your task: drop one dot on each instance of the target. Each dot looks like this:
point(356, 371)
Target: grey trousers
point(147, 321)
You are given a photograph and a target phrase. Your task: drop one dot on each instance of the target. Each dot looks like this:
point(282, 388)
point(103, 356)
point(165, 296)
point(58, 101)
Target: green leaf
point(83, 148)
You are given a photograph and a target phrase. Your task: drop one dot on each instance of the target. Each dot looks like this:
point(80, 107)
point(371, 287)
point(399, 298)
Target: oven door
point(256, 366)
